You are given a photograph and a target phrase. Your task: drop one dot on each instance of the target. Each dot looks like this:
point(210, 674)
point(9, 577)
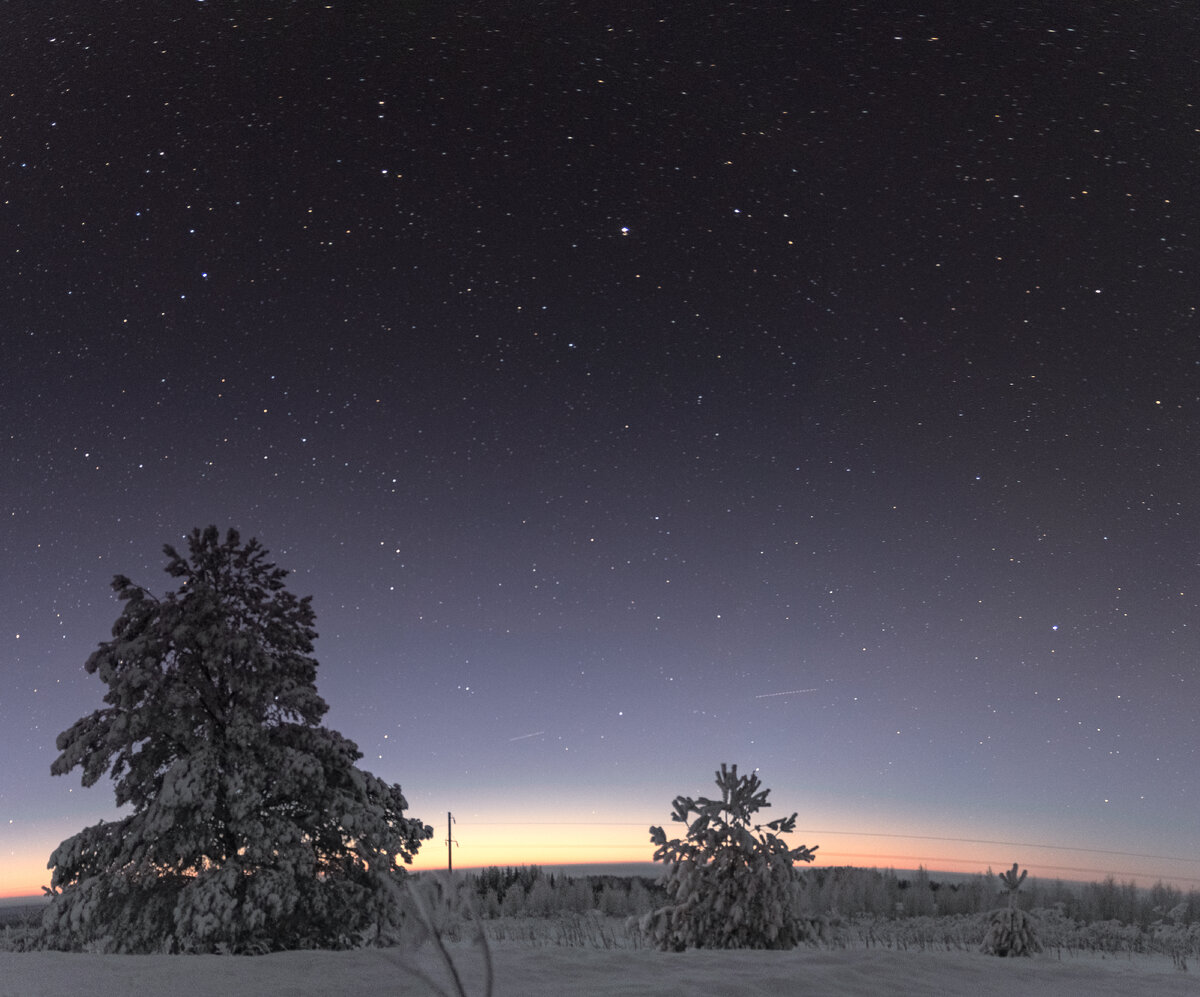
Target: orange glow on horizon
point(553, 844)
point(543, 843)
point(23, 872)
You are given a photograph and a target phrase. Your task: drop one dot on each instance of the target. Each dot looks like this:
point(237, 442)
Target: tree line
point(530, 891)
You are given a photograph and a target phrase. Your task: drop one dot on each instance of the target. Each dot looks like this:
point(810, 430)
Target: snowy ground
point(525, 971)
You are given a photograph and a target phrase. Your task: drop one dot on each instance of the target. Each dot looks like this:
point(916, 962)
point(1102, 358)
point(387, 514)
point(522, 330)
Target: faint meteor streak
point(522, 737)
point(790, 692)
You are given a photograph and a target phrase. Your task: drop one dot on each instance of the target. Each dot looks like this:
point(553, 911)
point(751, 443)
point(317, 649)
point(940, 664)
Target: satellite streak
point(523, 736)
point(790, 692)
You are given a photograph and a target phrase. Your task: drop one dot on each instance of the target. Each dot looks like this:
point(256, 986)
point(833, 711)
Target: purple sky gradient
point(606, 373)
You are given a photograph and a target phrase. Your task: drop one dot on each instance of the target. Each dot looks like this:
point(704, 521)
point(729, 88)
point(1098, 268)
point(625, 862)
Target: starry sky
point(635, 388)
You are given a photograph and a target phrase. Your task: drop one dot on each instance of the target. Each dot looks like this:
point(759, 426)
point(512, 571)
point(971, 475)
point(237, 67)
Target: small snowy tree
point(1011, 931)
point(251, 828)
point(732, 884)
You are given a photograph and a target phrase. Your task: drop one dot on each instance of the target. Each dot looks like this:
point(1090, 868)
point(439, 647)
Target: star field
point(810, 387)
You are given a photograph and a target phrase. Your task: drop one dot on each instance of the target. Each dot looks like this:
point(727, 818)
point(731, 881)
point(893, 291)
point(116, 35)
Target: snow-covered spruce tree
point(731, 883)
point(1011, 931)
point(251, 829)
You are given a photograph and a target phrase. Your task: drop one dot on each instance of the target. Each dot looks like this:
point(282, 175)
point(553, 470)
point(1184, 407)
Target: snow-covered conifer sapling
point(1011, 931)
point(731, 882)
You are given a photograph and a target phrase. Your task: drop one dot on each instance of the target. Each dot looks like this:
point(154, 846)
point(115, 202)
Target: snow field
point(523, 970)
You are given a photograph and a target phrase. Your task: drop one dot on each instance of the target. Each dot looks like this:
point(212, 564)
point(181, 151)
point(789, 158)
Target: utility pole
point(450, 842)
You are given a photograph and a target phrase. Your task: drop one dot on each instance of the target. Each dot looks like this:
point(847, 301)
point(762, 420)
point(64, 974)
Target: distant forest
point(529, 891)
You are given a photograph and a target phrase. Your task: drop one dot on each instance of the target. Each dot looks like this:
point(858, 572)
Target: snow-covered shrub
point(1179, 941)
point(18, 928)
point(541, 901)
point(1011, 931)
point(251, 827)
point(730, 882)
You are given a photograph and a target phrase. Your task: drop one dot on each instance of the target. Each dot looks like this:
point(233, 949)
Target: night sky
point(635, 388)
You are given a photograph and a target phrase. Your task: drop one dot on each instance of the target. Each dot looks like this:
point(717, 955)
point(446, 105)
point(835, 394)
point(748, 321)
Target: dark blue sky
point(605, 374)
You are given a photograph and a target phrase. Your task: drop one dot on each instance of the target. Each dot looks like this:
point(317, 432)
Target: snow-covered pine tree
point(731, 883)
point(1011, 931)
point(251, 828)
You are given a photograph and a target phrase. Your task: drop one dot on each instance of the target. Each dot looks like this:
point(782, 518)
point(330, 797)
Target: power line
point(1052, 868)
point(1007, 844)
point(556, 823)
point(856, 834)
